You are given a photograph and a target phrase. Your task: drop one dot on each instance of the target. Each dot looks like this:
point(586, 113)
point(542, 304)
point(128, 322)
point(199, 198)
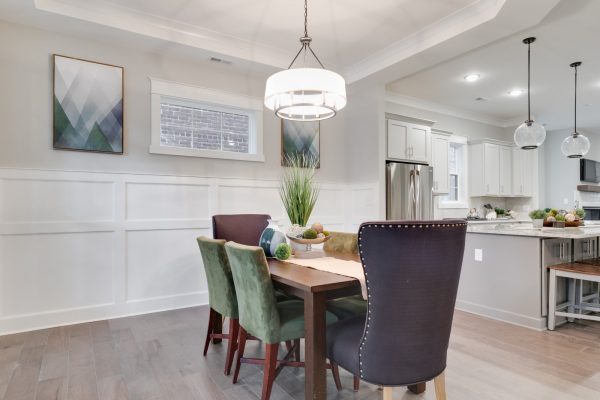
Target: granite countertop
point(527, 229)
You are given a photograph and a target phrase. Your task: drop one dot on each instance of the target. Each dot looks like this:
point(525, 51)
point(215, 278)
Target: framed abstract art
point(300, 138)
point(88, 106)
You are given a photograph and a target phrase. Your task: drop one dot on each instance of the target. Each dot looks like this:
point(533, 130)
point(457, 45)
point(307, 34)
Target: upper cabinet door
point(397, 133)
point(439, 161)
point(506, 163)
point(418, 140)
point(491, 169)
point(522, 173)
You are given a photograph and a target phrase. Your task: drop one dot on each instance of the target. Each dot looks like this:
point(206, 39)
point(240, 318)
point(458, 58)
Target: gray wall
point(26, 110)
point(562, 173)
point(459, 126)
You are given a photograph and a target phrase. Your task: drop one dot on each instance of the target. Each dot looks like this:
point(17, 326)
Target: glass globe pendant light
point(305, 94)
point(529, 135)
point(576, 145)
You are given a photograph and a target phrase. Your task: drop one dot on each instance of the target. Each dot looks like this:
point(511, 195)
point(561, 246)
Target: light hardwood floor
point(159, 357)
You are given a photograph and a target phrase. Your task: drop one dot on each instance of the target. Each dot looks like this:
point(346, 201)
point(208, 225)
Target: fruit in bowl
point(310, 234)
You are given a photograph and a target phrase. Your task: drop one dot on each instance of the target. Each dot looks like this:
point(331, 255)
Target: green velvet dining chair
point(351, 306)
point(262, 316)
point(221, 295)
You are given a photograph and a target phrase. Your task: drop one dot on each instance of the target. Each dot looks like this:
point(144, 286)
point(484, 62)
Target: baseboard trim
point(538, 324)
point(31, 322)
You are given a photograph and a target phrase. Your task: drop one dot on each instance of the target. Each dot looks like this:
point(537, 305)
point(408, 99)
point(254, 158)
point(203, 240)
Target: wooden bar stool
point(577, 306)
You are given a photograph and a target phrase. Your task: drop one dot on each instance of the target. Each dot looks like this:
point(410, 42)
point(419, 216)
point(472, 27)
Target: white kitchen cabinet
point(439, 161)
point(484, 169)
point(408, 142)
point(505, 167)
point(522, 172)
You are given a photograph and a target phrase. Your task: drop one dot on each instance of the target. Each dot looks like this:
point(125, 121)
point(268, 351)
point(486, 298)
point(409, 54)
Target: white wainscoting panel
point(151, 201)
point(164, 263)
point(34, 201)
point(83, 246)
point(41, 273)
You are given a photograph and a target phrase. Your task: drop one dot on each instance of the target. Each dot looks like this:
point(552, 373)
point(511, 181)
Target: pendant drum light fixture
point(576, 145)
point(305, 94)
point(529, 135)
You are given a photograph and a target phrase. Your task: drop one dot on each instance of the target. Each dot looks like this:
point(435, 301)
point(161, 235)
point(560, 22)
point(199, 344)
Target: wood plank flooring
point(159, 357)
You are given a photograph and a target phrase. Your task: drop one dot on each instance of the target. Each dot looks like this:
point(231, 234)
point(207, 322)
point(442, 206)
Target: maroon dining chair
point(240, 228)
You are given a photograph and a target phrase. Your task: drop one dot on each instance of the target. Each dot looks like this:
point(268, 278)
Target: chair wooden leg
point(417, 388)
point(240, 352)
point(335, 371)
point(297, 350)
point(440, 386)
point(356, 383)
point(387, 393)
point(270, 369)
point(234, 327)
point(217, 327)
point(211, 327)
point(552, 300)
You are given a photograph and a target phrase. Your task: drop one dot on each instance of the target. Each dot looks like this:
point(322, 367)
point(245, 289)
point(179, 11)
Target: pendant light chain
point(305, 40)
point(305, 18)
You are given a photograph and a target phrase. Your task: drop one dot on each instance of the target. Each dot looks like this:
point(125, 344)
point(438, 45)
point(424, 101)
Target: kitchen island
point(504, 269)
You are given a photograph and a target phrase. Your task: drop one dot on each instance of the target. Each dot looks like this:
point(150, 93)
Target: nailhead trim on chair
point(364, 339)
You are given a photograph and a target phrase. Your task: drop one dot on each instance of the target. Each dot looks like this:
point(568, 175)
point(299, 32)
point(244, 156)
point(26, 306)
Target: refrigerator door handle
point(411, 194)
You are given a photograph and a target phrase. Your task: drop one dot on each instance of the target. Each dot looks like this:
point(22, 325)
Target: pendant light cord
point(575, 123)
point(529, 83)
point(305, 40)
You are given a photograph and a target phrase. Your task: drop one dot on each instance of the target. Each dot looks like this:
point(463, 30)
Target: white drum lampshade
point(305, 94)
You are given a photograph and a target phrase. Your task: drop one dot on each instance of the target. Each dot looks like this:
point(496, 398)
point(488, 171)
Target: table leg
point(314, 330)
point(418, 388)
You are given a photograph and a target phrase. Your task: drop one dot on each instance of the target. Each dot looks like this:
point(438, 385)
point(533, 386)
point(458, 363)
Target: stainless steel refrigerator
point(409, 191)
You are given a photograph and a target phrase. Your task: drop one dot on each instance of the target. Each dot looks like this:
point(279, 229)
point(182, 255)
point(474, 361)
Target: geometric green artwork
point(300, 138)
point(88, 105)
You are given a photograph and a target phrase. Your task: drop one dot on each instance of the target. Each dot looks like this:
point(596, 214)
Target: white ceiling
point(357, 38)
point(569, 33)
point(344, 31)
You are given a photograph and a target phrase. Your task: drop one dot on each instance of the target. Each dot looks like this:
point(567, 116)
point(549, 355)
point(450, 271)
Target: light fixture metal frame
point(529, 121)
point(305, 42)
point(575, 133)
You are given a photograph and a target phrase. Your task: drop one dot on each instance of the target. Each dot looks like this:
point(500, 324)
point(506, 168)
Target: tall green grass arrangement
point(298, 190)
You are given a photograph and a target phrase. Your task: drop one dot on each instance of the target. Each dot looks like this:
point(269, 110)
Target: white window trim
point(217, 100)
point(463, 194)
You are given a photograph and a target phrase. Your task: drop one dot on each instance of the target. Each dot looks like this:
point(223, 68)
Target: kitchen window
point(198, 122)
point(457, 169)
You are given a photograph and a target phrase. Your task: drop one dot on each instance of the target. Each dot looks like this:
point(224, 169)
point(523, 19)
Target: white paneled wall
point(81, 246)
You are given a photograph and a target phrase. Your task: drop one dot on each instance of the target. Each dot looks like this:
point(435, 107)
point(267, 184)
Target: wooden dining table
point(315, 288)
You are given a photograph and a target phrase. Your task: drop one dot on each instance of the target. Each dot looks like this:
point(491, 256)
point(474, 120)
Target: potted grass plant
point(298, 190)
point(538, 216)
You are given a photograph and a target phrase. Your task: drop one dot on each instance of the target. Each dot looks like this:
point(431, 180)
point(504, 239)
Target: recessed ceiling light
point(472, 77)
point(516, 92)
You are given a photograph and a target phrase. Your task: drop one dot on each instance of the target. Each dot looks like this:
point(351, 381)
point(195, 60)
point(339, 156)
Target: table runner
point(352, 269)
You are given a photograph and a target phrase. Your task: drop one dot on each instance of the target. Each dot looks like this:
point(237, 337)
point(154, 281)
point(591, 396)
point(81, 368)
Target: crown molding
point(460, 21)
point(126, 19)
point(452, 111)
point(123, 18)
